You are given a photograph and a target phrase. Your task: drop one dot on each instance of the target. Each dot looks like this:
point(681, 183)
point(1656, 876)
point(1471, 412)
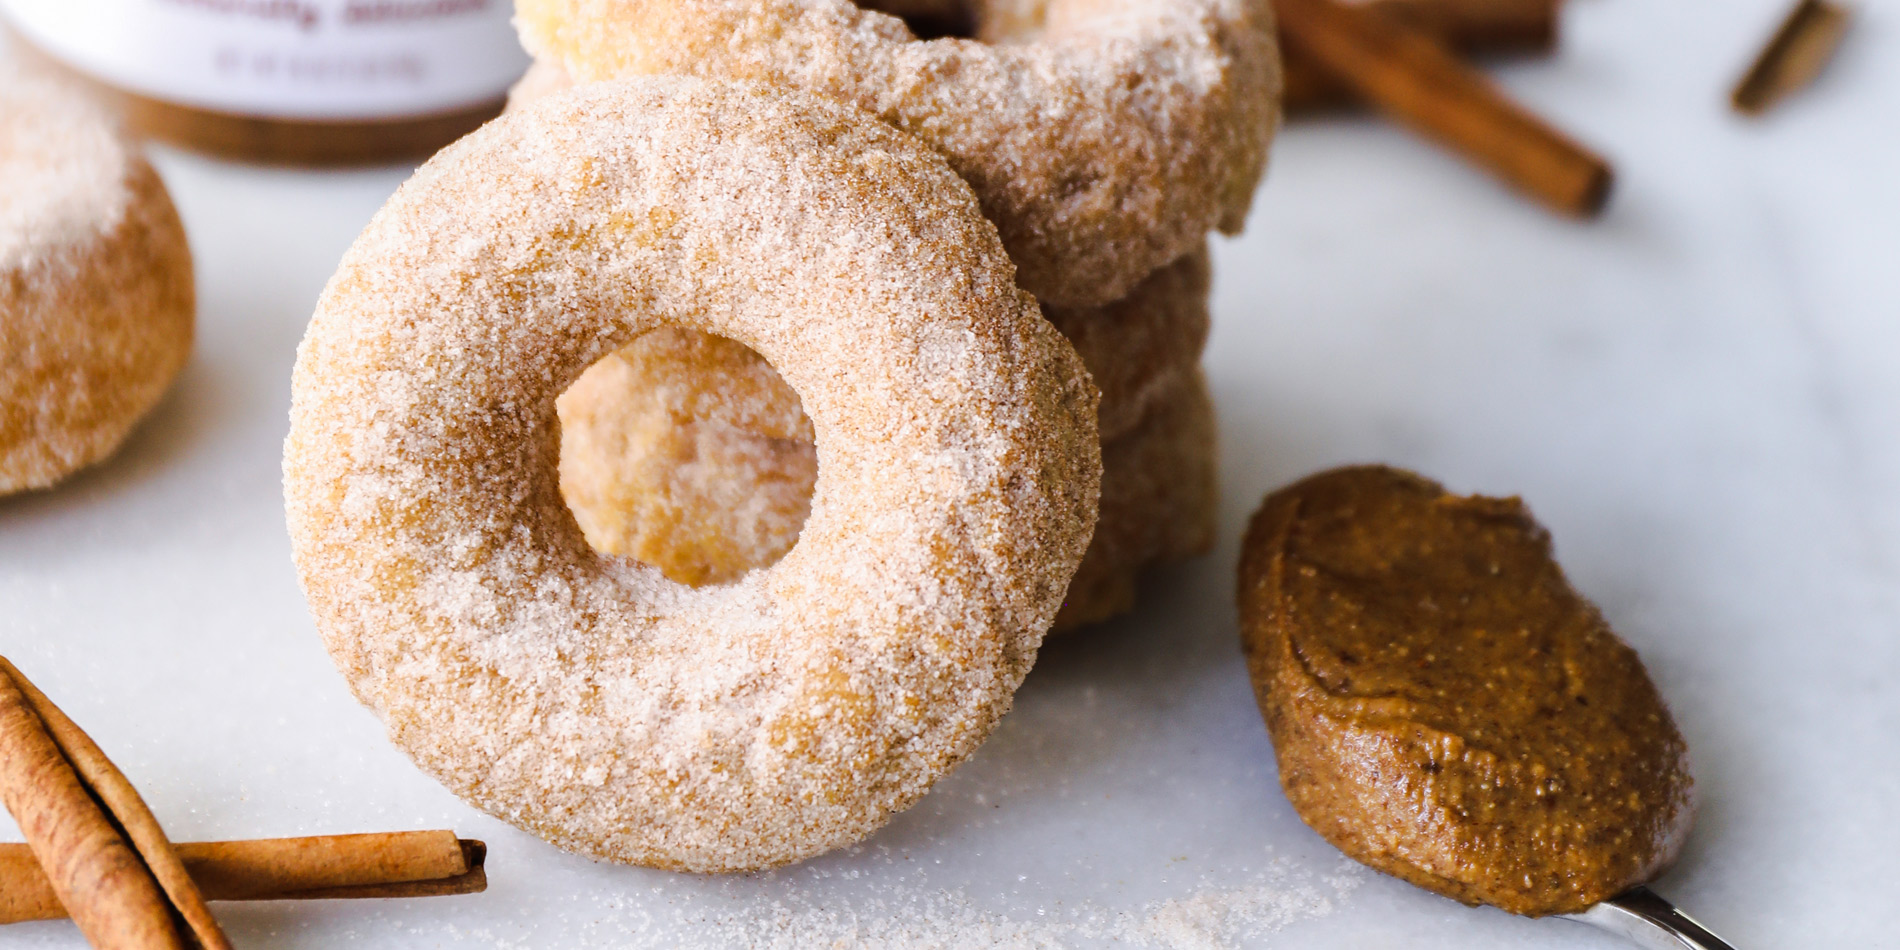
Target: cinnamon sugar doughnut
point(589, 699)
point(1104, 137)
point(96, 296)
point(1159, 501)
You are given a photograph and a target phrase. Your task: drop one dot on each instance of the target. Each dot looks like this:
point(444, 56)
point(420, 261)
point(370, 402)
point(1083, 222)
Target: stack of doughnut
point(1105, 139)
point(96, 293)
point(879, 355)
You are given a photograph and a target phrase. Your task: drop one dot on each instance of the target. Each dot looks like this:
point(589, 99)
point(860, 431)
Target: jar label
point(293, 59)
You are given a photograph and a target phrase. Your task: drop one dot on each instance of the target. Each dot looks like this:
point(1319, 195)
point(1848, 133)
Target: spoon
point(1644, 918)
point(1445, 707)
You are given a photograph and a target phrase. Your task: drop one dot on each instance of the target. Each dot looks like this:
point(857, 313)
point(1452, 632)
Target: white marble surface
point(1700, 394)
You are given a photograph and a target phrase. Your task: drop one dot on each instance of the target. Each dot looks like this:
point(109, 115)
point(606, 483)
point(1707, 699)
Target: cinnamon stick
point(1482, 26)
point(127, 811)
point(89, 865)
point(1794, 57)
point(399, 864)
point(1416, 80)
point(474, 881)
point(1467, 27)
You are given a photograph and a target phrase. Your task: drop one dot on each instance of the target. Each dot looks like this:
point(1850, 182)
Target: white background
point(1700, 394)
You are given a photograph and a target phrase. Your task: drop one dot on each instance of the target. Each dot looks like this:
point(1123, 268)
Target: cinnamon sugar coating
point(1159, 501)
point(587, 698)
point(1104, 137)
point(688, 452)
point(96, 294)
point(695, 465)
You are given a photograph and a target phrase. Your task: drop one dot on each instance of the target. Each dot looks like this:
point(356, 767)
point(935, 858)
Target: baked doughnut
point(96, 297)
point(1159, 501)
point(687, 451)
point(1104, 137)
point(589, 699)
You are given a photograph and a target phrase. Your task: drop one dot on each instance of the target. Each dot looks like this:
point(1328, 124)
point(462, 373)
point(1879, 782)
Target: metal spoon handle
point(1648, 921)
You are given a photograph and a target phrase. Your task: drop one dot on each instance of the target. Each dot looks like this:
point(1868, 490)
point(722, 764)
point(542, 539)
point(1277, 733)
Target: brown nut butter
point(1444, 706)
point(303, 82)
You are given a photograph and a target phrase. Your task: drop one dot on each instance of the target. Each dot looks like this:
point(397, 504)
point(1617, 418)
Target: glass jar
point(294, 81)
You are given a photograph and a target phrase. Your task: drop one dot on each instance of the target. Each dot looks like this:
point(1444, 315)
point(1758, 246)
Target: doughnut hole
point(995, 22)
point(688, 452)
point(930, 19)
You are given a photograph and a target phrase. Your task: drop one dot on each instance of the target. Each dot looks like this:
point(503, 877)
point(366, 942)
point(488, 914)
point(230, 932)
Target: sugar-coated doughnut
point(1104, 137)
point(1159, 503)
point(688, 452)
point(587, 698)
point(96, 294)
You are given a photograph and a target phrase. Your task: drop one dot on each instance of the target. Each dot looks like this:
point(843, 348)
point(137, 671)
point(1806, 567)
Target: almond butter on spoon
point(1447, 709)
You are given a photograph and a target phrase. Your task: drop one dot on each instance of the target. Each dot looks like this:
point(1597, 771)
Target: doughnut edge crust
point(1160, 501)
point(1104, 142)
point(1143, 347)
point(587, 699)
point(97, 300)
